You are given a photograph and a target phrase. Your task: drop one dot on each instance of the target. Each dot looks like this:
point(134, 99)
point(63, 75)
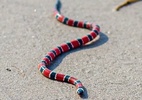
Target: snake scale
point(51, 55)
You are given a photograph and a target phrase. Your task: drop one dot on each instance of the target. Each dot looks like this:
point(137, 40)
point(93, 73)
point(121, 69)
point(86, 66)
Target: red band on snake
point(51, 55)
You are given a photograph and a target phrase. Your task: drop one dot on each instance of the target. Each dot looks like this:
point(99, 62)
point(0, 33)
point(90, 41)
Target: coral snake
point(51, 55)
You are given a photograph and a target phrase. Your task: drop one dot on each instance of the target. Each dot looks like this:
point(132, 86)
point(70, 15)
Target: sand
point(110, 68)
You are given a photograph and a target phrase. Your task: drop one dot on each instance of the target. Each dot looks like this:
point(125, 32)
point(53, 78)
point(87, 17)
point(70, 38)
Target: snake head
point(80, 91)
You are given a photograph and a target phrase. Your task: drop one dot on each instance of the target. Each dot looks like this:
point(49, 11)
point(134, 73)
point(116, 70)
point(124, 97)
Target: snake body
point(51, 55)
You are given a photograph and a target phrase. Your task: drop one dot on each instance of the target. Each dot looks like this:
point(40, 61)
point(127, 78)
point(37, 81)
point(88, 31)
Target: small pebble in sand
point(4, 36)
point(35, 10)
point(108, 32)
point(33, 36)
point(8, 69)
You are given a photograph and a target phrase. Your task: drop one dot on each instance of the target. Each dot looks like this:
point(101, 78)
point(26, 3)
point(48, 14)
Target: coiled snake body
point(51, 55)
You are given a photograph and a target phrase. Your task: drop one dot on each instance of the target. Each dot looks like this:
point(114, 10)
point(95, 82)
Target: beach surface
point(110, 68)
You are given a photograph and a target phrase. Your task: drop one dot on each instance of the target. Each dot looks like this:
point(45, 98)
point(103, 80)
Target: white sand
point(110, 69)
